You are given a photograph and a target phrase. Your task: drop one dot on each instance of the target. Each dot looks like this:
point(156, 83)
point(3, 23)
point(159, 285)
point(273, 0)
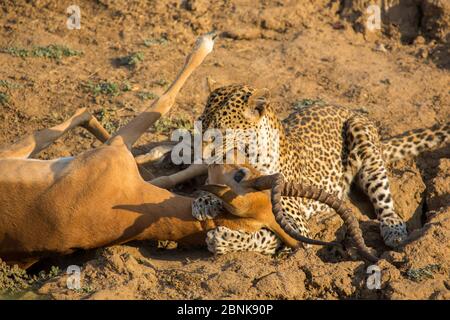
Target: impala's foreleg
point(168, 182)
point(39, 140)
point(129, 133)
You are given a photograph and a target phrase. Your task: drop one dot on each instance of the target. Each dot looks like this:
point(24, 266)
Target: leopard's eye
point(239, 175)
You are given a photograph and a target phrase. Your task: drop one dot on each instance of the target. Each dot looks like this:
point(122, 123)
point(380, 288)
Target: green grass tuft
point(103, 88)
point(85, 290)
point(308, 102)
point(14, 279)
point(108, 119)
point(9, 85)
point(52, 51)
point(167, 125)
point(144, 95)
point(17, 52)
point(131, 60)
point(161, 82)
point(55, 52)
point(126, 86)
point(4, 98)
point(158, 41)
point(420, 274)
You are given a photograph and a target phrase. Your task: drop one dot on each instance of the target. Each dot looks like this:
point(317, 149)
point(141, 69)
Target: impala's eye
point(239, 175)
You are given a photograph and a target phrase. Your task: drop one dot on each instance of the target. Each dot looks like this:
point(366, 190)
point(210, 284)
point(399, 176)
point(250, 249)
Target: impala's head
point(233, 185)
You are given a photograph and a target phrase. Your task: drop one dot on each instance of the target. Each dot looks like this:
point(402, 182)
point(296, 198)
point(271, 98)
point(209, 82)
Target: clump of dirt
point(426, 23)
point(403, 20)
point(303, 52)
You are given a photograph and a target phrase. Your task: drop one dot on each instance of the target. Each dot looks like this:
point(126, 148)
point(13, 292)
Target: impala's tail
point(411, 143)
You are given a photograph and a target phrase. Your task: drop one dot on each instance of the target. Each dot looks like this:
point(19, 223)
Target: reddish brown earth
point(317, 50)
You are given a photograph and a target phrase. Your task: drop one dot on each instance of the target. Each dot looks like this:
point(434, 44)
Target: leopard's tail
point(411, 143)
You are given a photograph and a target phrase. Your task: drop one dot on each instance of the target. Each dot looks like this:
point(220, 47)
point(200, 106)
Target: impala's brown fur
point(97, 198)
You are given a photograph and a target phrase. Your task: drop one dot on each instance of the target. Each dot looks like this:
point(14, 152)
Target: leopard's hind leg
point(365, 161)
point(222, 240)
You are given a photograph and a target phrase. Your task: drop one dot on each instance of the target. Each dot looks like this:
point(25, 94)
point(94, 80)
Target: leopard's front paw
point(393, 231)
point(207, 206)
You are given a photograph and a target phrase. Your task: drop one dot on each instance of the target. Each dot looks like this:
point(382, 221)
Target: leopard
point(325, 145)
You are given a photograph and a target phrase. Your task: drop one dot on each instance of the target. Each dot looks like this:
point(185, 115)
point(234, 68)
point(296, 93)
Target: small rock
point(271, 23)
point(438, 195)
point(422, 53)
point(380, 47)
point(242, 34)
point(199, 6)
point(419, 40)
point(281, 284)
point(338, 25)
point(447, 284)
point(393, 257)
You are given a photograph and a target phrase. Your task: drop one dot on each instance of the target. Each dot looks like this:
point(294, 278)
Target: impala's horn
point(279, 188)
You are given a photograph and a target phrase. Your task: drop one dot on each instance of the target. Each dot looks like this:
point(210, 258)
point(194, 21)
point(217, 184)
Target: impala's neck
point(161, 215)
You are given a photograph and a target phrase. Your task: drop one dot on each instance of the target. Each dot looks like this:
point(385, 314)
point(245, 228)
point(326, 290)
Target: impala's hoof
point(206, 42)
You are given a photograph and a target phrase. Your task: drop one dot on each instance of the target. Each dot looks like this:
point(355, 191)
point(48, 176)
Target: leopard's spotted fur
point(326, 146)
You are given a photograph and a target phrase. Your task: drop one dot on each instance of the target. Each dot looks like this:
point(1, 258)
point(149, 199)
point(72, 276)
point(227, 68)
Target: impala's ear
point(257, 104)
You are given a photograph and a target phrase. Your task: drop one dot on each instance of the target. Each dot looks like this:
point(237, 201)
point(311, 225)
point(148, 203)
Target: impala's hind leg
point(39, 140)
point(365, 160)
point(130, 133)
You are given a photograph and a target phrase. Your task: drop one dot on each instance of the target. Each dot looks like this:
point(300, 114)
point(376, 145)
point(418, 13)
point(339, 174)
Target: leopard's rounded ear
point(211, 84)
point(257, 104)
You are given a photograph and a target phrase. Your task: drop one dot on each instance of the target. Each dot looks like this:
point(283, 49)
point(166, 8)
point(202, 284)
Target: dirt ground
point(313, 50)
